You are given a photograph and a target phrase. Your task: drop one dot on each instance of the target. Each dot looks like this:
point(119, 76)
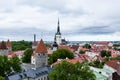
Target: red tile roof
point(68, 60)
point(84, 57)
point(102, 43)
point(113, 63)
point(3, 45)
point(41, 48)
point(66, 47)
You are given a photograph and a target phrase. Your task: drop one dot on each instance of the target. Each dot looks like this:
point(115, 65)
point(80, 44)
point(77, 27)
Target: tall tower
point(40, 55)
point(58, 35)
point(35, 42)
point(8, 44)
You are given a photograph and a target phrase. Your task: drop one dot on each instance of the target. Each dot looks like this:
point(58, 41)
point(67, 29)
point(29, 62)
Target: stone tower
point(40, 55)
point(8, 44)
point(3, 48)
point(58, 35)
point(35, 42)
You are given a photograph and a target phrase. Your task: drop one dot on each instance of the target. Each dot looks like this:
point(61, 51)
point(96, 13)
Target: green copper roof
point(100, 76)
point(58, 33)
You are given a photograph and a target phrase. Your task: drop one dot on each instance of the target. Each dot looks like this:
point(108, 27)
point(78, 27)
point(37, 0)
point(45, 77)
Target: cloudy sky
point(80, 20)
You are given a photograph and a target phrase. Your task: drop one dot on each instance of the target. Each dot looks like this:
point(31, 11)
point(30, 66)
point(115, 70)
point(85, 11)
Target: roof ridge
point(41, 48)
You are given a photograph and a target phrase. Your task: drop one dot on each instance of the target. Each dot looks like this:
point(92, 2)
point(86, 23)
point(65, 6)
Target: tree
point(97, 64)
point(82, 52)
point(6, 65)
point(2, 78)
point(60, 54)
point(115, 58)
point(48, 46)
point(21, 45)
point(15, 61)
point(105, 53)
point(69, 71)
point(87, 46)
point(27, 55)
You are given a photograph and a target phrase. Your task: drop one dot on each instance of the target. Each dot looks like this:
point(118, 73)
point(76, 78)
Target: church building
point(58, 37)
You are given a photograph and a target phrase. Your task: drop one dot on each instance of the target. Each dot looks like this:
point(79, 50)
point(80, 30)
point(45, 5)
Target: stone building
point(58, 37)
point(38, 69)
point(39, 57)
point(5, 47)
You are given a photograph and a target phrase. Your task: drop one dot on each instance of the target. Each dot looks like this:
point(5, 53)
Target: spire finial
point(58, 28)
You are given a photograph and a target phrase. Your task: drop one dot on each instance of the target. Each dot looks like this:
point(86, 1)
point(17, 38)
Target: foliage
point(15, 61)
point(21, 45)
point(88, 46)
point(4, 70)
point(48, 46)
point(27, 55)
point(106, 59)
point(60, 54)
point(116, 45)
point(69, 71)
point(115, 58)
point(97, 64)
point(82, 52)
point(105, 53)
point(7, 66)
point(2, 78)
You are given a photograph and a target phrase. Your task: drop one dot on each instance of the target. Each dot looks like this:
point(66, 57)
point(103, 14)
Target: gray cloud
point(77, 17)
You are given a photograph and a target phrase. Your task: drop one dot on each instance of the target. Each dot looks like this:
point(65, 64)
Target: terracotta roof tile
point(68, 60)
point(102, 43)
point(66, 47)
point(113, 63)
point(3, 45)
point(41, 48)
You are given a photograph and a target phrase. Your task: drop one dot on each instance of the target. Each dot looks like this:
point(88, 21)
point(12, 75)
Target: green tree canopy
point(7, 66)
point(2, 78)
point(15, 61)
point(21, 45)
point(82, 52)
point(69, 71)
point(115, 58)
point(88, 46)
point(97, 64)
point(60, 54)
point(27, 55)
point(105, 53)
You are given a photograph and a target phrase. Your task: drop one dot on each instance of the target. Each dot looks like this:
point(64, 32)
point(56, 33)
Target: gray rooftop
point(32, 73)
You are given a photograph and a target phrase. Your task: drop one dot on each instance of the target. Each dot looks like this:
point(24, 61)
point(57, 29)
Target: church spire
point(58, 28)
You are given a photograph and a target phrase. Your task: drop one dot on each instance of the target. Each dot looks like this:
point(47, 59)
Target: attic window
point(25, 75)
point(39, 54)
point(36, 74)
point(20, 76)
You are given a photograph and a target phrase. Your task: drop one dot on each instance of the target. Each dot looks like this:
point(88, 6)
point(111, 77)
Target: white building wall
point(58, 39)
